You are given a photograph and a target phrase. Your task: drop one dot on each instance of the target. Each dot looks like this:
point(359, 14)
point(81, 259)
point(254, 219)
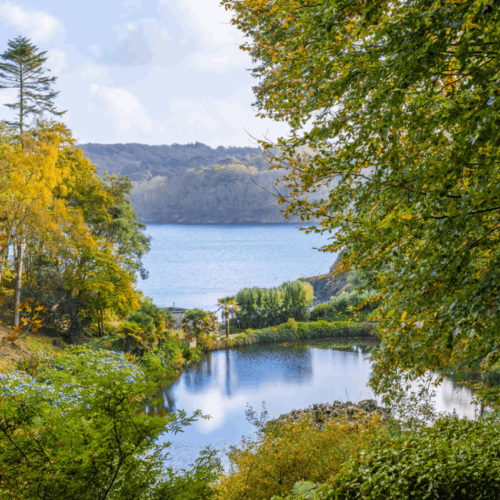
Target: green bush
point(76, 428)
point(454, 459)
point(338, 308)
point(264, 307)
point(312, 330)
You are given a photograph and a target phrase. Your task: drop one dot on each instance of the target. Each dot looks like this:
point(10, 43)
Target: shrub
point(312, 330)
point(338, 308)
point(454, 459)
point(145, 328)
point(78, 430)
point(291, 452)
point(268, 307)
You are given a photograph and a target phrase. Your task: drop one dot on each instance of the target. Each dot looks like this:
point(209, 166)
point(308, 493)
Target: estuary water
point(195, 265)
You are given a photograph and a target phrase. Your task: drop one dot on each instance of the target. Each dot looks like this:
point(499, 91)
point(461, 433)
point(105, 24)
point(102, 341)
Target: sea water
point(194, 265)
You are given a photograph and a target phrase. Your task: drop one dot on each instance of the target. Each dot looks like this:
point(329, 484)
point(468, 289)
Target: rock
point(327, 285)
point(350, 411)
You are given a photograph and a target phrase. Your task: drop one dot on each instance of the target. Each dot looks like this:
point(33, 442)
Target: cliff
point(328, 285)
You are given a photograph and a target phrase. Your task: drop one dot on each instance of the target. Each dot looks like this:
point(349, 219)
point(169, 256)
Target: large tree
point(399, 102)
point(23, 69)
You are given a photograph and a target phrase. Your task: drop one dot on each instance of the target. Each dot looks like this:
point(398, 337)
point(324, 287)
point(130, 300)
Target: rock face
point(328, 285)
point(321, 413)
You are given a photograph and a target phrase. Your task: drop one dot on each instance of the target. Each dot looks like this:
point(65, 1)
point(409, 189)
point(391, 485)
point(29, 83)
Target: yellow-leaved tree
point(31, 203)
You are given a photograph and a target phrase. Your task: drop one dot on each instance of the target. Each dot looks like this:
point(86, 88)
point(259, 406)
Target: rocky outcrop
point(321, 413)
point(328, 285)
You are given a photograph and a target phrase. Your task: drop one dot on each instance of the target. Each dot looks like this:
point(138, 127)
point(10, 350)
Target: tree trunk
point(19, 276)
point(227, 324)
point(4, 260)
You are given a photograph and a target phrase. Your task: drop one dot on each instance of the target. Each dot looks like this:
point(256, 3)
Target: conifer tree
point(22, 69)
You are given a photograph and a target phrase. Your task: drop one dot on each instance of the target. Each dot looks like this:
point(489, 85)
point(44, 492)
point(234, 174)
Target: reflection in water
point(285, 377)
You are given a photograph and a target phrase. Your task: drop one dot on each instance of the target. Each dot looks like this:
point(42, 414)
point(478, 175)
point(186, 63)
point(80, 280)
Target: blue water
point(194, 266)
point(282, 377)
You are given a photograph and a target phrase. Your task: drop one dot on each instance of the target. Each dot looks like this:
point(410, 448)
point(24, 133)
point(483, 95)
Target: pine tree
point(22, 69)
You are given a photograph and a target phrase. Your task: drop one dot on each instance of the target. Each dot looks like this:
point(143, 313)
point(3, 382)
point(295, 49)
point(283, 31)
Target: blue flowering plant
point(75, 427)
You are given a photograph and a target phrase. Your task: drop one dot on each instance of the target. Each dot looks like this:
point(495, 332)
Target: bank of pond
point(96, 423)
point(293, 331)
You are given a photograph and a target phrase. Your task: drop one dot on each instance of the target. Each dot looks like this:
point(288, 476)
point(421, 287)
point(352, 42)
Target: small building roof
point(175, 309)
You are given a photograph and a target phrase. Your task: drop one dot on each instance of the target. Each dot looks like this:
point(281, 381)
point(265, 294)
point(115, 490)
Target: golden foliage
point(292, 452)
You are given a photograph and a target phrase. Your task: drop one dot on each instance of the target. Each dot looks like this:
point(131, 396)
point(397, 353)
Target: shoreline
point(315, 331)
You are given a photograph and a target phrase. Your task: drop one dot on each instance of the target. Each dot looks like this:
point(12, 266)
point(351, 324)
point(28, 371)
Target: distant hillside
point(140, 162)
point(194, 183)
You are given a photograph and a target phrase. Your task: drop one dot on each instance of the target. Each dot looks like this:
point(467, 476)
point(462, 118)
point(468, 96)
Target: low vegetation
point(288, 452)
point(452, 459)
point(294, 331)
point(346, 306)
point(73, 425)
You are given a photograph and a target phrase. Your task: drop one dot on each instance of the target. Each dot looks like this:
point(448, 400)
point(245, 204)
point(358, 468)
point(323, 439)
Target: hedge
point(292, 330)
point(454, 459)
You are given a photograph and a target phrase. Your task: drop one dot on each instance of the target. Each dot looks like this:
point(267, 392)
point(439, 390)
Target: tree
point(401, 100)
point(90, 276)
point(229, 308)
point(23, 70)
point(31, 207)
point(199, 325)
point(263, 307)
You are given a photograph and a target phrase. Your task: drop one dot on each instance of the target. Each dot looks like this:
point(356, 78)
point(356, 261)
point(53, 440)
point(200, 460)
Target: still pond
point(282, 377)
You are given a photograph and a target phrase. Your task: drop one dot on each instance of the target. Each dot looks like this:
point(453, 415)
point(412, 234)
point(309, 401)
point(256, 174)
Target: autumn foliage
point(398, 103)
point(77, 245)
point(289, 452)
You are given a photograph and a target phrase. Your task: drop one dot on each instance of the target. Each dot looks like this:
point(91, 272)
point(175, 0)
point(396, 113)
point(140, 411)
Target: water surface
point(195, 265)
point(283, 377)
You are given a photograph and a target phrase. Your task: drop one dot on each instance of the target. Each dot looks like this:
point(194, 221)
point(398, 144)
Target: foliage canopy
point(401, 102)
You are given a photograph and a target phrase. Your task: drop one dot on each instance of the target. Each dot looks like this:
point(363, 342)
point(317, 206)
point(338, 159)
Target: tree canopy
point(399, 104)
point(22, 69)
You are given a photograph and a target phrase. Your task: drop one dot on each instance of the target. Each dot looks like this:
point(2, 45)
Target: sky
point(144, 71)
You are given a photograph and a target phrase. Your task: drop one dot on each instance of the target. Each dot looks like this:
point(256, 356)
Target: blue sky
point(148, 71)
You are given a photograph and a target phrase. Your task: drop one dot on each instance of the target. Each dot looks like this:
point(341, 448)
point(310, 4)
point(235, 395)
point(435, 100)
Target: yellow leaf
point(403, 316)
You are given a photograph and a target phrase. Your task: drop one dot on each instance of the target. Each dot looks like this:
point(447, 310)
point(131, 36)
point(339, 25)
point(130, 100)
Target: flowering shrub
point(76, 429)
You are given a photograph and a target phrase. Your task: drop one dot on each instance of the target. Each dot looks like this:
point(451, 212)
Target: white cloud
point(37, 25)
point(132, 4)
point(95, 49)
point(57, 61)
point(146, 41)
point(219, 40)
point(7, 96)
point(130, 118)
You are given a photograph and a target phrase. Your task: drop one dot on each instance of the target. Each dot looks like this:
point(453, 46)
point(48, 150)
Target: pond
point(282, 377)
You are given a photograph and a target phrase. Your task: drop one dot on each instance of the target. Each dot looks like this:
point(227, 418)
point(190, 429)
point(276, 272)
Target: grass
point(11, 352)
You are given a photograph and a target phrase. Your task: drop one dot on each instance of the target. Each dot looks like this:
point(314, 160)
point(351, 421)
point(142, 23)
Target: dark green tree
point(22, 69)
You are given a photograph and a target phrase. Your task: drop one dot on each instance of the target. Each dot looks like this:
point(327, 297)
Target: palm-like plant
point(229, 308)
point(199, 325)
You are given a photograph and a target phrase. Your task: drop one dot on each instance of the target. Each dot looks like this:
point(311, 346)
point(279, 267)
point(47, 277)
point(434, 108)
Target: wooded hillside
point(194, 183)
